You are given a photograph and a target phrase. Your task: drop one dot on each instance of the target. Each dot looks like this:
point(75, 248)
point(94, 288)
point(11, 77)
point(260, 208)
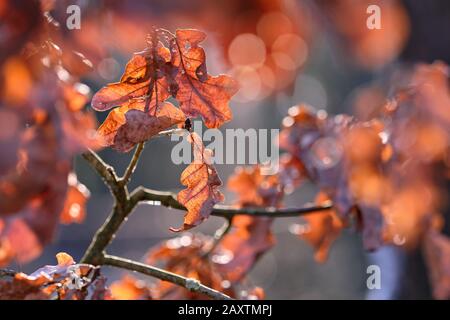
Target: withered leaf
point(139, 96)
point(140, 81)
point(139, 126)
point(199, 93)
point(321, 230)
point(75, 204)
point(151, 77)
point(239, 250)
point(121, 135)
point(338, 154)
point(130, 288)
point(250, 237)
point(255, 189)
point(202, 182)
point(66, 280)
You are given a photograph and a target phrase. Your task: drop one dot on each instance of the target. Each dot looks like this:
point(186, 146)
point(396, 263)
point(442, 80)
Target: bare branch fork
point(125, 202)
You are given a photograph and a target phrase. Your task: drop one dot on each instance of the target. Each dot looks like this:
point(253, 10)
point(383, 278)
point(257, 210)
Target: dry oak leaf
point(249, 238)
point(200, 94)
point(130, 124)
point(139, 126)
point(202, 182)
point(139, 81)
point(75, 204)
point(255, 189)
point(322, 229)
point(66, 280)
point(130, 288)
point(140, 95)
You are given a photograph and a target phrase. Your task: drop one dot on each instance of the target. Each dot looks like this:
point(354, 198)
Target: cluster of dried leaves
point(171, 66)
point(42, 126)
point(64, 281)
point(383, 175)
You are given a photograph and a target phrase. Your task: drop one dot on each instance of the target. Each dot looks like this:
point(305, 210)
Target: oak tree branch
point(124, 203)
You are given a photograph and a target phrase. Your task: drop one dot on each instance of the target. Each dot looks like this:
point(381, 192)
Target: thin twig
point(119, 212)
point(165, 133)
point(219, 235)
point(107, 173)
point(104, 170)
point(7, 273)
point(188, 283)
point(132, 166)
point(106, 233)
point(168, 199)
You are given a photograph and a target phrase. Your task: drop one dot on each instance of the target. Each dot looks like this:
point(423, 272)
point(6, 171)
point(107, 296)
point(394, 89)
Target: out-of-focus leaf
point(343, 158)
point(130, 288)
point(75, 204)
point(66, 280)
point(321, 230)
point(239, 250)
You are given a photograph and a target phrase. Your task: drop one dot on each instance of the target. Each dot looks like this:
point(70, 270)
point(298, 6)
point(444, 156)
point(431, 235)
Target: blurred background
point(282, 52)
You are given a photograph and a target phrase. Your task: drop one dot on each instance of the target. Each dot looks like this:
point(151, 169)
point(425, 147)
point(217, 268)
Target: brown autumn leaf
point(43, 126)
point(151, 77)
point(75, 204)
point(321, 230)
point(199, 93)
point(130, 288)
point(238, 251)
point(66, 280)
point(139, 95)
point(255, 189)
point(32, 196)
point(202, 182)
point(250, 237)
point(139, 126)
point(140, 81)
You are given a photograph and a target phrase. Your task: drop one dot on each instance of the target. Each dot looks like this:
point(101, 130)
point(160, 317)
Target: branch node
point(192, 284)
